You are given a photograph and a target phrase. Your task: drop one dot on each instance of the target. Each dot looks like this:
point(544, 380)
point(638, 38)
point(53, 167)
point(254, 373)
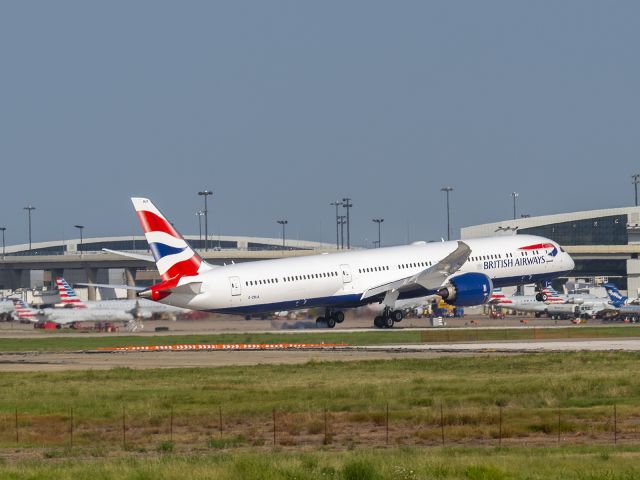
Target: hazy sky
point(282, 107)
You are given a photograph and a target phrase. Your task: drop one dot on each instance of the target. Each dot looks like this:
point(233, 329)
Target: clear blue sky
point(282, 107)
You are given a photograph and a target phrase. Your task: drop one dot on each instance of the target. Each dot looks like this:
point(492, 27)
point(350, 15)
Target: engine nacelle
point(467, 290)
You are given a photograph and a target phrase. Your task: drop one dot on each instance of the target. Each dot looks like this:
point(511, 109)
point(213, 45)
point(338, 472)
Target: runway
point(48, 361)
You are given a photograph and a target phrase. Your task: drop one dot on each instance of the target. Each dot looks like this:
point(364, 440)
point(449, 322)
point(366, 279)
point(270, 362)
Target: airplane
point(626, 308)
point(462, 273)
point(64, 316)
point(139, 308)
point(527, 303)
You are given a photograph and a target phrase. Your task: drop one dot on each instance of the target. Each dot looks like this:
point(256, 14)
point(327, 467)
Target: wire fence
point(434, 425)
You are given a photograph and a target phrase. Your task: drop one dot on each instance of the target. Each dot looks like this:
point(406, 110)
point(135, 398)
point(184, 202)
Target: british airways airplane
point(463, 273)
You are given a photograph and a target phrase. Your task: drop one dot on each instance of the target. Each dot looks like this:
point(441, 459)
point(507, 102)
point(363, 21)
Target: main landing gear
point(330, 318)
point(388, 318)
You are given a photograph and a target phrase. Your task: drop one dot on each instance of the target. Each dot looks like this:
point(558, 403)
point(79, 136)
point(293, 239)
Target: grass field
point(54, 342)
point(171, 422)
point(567, 463)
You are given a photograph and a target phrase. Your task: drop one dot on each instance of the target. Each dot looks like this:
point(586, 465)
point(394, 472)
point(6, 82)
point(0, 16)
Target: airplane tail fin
point(552, 295)
point(68, 296)
point(617, 299)
point(24, 311)
point(173, 256)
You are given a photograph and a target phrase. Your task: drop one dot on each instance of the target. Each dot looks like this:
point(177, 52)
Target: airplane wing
point(136, 256)
point(431, 278)
point(106, 285)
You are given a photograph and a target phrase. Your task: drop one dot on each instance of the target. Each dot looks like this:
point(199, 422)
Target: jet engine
point(467, 290)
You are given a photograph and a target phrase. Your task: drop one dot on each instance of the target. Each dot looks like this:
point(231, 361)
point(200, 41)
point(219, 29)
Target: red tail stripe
point(153, 223)
point(186, 268)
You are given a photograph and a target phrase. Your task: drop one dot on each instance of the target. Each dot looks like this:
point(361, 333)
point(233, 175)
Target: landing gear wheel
point(378, 322)
point(388, 322)
point(320, 322)
point(338, 316)
point(397, 315)
point(330, 321)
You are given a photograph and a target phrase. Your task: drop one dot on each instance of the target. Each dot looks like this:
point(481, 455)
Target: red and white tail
point(24, 311)
point(172, 254)
point(68, 296)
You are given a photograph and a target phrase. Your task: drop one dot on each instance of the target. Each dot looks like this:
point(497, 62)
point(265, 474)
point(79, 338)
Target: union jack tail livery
point(24, 311)
point(173, 255)
point(68, 296)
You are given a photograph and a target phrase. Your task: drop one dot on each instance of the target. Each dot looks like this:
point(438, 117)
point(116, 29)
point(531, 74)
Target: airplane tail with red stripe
point(172, 254)
point(68, 297)
point(24, 311)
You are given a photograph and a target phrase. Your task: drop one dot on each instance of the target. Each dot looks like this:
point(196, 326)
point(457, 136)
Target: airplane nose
point(570, 262)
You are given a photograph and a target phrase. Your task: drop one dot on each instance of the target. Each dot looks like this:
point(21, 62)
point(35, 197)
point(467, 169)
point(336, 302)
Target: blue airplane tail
point(617, 299)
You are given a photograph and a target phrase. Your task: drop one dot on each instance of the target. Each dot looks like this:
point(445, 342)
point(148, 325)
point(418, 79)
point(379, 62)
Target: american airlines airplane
point(138, 308)
point(64, 316)
point(463, 273)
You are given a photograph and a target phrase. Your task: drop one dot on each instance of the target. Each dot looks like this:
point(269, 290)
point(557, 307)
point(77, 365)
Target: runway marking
point(223, 346)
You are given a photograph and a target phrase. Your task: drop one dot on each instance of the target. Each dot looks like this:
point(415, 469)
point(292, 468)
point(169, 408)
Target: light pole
point(199, 214)
point(635, 181)
point(205, 194)
point(337, 204)
point(341, 222)
point(378, 221)
point(447, 190)
point(80, 227)
point(514, 195)
point(346, 203)
point(283, 223)
point(3, 230)
point(29, 209)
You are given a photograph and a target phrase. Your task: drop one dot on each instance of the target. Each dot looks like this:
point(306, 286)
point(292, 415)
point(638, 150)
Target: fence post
point(17, 430)
point(171, 425)
point(387, 425)
point(615, 424)
point(124, 430)
point(559, 426)
point(274, 426)
point(325, 426)
point(500, 427)
point(71, 429)
point(441, 423)
point(220, 419)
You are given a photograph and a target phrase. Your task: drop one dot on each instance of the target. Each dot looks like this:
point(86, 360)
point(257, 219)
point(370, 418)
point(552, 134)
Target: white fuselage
point(339, 280)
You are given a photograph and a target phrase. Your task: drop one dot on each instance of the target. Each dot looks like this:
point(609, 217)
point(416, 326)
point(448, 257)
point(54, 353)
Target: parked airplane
point(626, 309)
point(65, 316)
point(139, 308)
point(462, 273)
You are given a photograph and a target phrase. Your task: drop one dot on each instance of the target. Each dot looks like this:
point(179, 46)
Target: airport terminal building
point(604, 243)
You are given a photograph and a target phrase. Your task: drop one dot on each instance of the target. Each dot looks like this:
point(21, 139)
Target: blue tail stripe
point(160, 250)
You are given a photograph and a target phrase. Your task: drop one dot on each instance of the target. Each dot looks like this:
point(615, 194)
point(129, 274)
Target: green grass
point(56, 342)
point(530, 390)
point(569, 463)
